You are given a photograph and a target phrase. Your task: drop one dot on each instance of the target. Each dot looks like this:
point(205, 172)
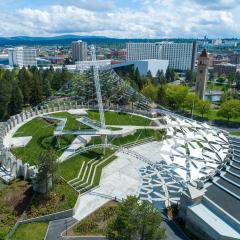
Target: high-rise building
point(202, 74)
point(21, 56)
point(181, 56)
point(79, 51)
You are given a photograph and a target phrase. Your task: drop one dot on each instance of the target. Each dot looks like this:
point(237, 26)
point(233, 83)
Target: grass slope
point(31, 231)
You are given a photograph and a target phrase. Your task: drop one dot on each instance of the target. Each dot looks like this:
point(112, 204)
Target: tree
point(25, 83)
point(203, 107)
point(136, 220)
point(191, 76)
point(149, 76)
point(160, 78)
point(16, 99)
point(36, 88)
point(175, 96)
point(47, 90)
point(228, 95)
point(5, 93)
point(138, 79)
point(47, 169)
point(161, 95)
point(170, 75)
point(221, 79)
point(230, 109)
point(212, 76)
point(237, 80)
point(191, 101)
point(150, 91)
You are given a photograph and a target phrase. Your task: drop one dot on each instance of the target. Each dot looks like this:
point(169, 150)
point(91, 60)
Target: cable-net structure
point(114, 90)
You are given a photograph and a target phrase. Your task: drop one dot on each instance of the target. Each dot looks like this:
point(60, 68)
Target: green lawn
point(212, 116)
point(42, 133)
point(70, 168)
point(72, 123)
point(215, 87)
point(61, 197)
point(31, 231)
point(139, 135)
point(236, 133)
point(42, 139)
point(114, 118)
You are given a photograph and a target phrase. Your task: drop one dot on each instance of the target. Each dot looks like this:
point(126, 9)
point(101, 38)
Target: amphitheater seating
point(87, 177)
point(225, 190)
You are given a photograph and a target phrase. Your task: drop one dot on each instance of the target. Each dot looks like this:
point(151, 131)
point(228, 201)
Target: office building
point(181, 56)
point(21, 56)
point(225, 68)
point(202, 74)
point(234, 58)
point(152, 65)
point(79, 51)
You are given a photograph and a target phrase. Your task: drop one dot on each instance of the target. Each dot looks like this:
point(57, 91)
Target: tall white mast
point(99, 94)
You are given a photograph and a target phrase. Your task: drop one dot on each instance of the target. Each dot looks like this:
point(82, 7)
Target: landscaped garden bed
point(96, 223)
point(60, 198)
point(14, 200)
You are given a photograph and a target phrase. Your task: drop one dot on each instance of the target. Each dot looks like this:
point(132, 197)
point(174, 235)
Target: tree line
point(25, 87)
point(180, 97)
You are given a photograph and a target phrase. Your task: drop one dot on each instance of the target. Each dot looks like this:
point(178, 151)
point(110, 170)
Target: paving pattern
point(192, 152)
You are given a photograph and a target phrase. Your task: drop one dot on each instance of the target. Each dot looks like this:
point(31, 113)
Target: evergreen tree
point(161, 95)
point(5, 93)
point(160, 78)
point(47, 90)
point(36, 89)
point(149, 76)
point(16, 100)
point(170, 75)
point(138, 79)
point(136, 220)
point(47, 169)
point(25, 82)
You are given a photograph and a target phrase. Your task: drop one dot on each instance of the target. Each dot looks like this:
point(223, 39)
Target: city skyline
point(121, 19)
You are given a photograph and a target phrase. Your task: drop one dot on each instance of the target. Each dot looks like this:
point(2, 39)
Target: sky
point(121, 18)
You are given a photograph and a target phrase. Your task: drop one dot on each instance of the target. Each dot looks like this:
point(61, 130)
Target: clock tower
point(202, 74)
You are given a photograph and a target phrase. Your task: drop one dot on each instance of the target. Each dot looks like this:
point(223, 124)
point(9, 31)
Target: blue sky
point(121, 18)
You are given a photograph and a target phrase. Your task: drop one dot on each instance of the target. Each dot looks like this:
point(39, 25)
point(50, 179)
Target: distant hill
point(67, 39)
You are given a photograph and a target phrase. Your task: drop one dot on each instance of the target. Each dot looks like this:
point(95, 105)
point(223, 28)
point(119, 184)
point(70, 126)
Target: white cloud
point(155, 18)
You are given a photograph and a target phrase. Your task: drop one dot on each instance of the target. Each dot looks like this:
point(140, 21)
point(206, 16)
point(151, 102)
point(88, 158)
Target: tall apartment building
point(181, 56)
point(21, 56)
point(79, 51)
